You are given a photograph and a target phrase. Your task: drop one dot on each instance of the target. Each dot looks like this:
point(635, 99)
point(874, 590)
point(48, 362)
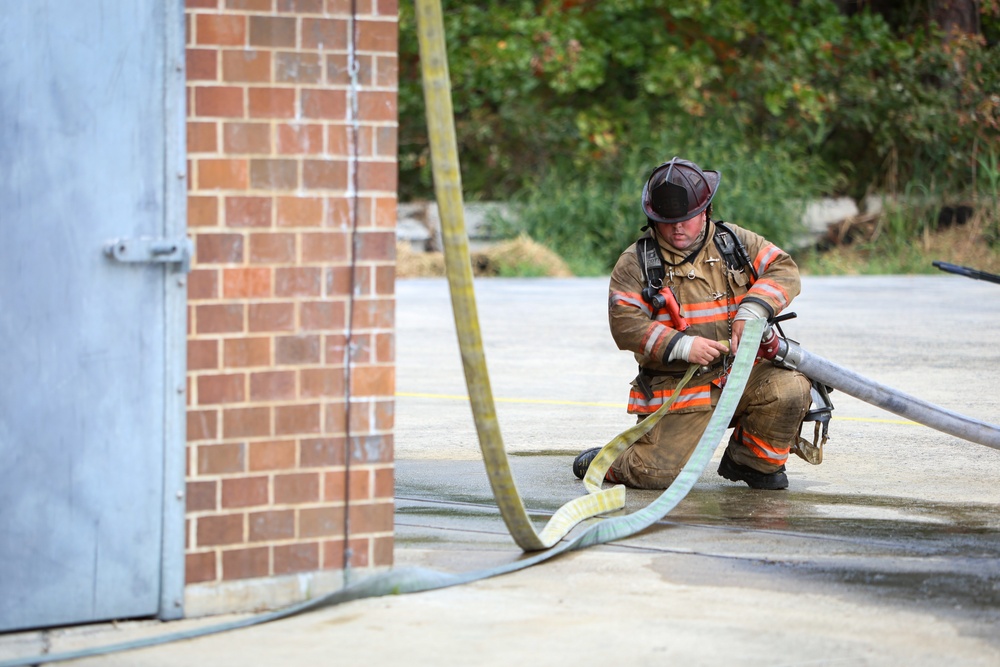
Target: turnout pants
point(765, 426)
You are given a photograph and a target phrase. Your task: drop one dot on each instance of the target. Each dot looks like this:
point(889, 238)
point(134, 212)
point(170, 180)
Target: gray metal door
point(92, 346)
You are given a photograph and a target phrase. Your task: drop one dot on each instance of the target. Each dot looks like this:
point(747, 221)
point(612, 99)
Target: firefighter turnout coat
point(709, 293)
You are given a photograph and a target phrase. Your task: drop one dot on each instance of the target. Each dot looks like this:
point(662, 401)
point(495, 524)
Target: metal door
point(92, 342)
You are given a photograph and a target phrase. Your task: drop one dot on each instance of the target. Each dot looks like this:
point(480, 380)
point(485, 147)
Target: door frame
point(175, 304)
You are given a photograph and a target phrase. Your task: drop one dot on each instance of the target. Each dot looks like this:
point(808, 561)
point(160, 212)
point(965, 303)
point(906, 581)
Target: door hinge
point(147, 249)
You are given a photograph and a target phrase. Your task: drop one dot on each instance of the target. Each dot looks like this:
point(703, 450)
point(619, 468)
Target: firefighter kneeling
point(680, 295)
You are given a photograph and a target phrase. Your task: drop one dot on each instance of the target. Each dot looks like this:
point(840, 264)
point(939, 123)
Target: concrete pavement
point(886, 554)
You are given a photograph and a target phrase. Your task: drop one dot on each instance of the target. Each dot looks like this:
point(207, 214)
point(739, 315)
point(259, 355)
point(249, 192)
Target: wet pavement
point(888, 553)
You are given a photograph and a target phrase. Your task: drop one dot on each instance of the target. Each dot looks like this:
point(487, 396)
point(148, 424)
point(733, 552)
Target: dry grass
point(516, 257)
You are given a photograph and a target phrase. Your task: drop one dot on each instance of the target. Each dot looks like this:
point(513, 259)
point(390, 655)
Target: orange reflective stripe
point(690, 397)
point(764, 450)
point(771, 289)
point(764, 258)
point(708, 311)
point(629, 300)
point(654, 334)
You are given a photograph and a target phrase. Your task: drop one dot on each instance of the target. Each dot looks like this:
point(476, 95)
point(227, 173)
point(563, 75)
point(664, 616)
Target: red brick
point(201, 496)
point(377, 176)
point(386, 71)
point(202, 354)
point(251, 5)
point(385, 483)
point(245, 563)
point(373, 313)
point(324, 104)
point(322, 382)
point(242, 352)
point(362, 281)
point(338, 213)
point(272, 31)
point(321, 522)
point(377, 36)
point(385, 415)
point(248, 211)
point(271, 248)
point(202, 425)
point(296, 419)
point(301, 6)
point(273, 455)
point(246, 66)
point(246, 422)
point(296, 350)
point(291, 558)
point(330, 34)
point(271, 103)
point(335, 418)
point(272, 386)
point(246, 283)
point(272, 525)
point(334, 490)
point(385, 348)
point(201, 4)
point(221, 388)
point(218, 101)
point(382, 551)
point(335, 346)
point(385, 213)
point(326, 247)
point(322, 452)
point(324, 174)
point(338, 140)
point(333, 553)
point(300, 487)
point(385, 280)
point(218, 248)
point(202, 211)
point(238, 137)
point(297, 139)
point(271, 317)
point(338, 71)
point(377, 246)
point(371, 518)
point(244, 492)
point(298, 281)
point(338, 280)
point(320, 315)
point(221, 29)
point(300, 212)
point(215, 530)
point(223, 174)
point(201, 137)
point(270, 174)
point(199, 567)
point(372, 449)
point(219, 459)
point(297, 68)
point(219, 318)
point(202, 64)
point(376, 105)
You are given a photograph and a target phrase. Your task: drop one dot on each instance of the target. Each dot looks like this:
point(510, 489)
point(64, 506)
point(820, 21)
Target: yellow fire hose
point(448, 190)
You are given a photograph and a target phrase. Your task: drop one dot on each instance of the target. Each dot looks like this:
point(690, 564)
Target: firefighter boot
point(755, 479)
point(583, 461)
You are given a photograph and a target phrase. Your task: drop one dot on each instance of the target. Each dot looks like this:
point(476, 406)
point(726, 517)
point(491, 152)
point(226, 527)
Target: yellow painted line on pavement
point(545, 401)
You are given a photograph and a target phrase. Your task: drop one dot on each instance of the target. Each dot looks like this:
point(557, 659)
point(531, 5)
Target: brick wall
point(274, 150)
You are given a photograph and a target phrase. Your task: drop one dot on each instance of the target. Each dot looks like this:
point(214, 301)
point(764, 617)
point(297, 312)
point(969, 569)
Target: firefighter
point(680, 295)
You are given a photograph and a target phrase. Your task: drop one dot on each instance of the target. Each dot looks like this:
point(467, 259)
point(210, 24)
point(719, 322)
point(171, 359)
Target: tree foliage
point(584, 89)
